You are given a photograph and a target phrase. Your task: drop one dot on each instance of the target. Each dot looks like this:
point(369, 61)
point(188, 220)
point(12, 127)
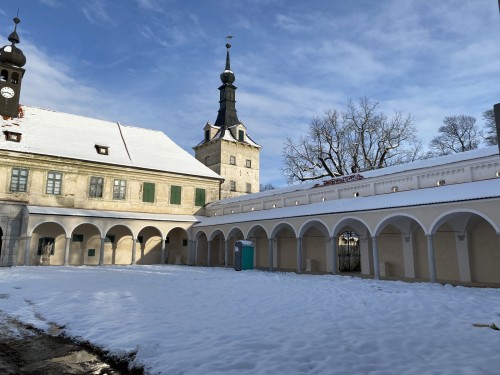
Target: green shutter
point(199, 199)
point(148, 192)
point(175, 194)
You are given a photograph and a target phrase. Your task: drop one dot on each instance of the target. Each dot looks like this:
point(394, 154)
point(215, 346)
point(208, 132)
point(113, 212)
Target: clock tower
point(226, 147)
point(12, 60)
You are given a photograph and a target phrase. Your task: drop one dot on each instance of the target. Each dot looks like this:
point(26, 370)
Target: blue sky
point(156, 63)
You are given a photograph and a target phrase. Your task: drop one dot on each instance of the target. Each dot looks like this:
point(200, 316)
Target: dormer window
point(207, 135)
point(241, 135)
point(102, 150)
point(12, 136)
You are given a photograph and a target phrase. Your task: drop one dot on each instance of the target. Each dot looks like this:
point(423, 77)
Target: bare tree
point(490, 135)
point(458, 134)
point(357, 139)
point(265, 187)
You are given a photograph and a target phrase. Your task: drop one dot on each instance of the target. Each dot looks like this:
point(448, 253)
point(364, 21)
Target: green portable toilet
point(243, 255)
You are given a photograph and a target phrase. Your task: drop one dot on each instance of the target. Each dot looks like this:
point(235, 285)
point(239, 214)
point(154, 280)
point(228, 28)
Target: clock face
point(7, 92)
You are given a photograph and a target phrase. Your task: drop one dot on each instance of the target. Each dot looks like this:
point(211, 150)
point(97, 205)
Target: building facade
point(226, 147)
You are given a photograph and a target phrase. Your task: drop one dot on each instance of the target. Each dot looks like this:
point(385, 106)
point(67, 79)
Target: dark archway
point(177, 246)
point(149, 243)
point(118, 245)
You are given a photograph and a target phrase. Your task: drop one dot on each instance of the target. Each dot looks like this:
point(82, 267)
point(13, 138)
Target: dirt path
point(25, 350)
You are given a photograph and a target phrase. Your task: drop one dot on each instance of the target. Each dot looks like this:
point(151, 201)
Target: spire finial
point(13, 37)
point(228, 45)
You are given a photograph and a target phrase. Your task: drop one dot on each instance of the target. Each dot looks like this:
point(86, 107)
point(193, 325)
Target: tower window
point(232, 185)
point(241, 135)
point(54, 183)
point(19, 180)
point(4, 75)
point(207, 135)
point(15, 78)
point(12, 136)
point(96, 187)
point(232, 160)
point(119, 189)
point(248, 163)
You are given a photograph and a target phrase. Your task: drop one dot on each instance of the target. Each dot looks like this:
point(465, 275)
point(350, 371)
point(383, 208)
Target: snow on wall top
point(60, 134)
point(449, 193)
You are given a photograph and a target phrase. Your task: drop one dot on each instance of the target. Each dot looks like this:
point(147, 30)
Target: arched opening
point(258, 236)
point(118, 245)
point(349, 252)
point(149, 246)
point(217, 249)
point(4, 75)
point(15, 78)
point(85, 245)
point(484, 252)
point(354, 247)
point(315, 240)
point(234, 235)
point(201, 250)
point(48, 245)
point(177, 246)
point(285, 249)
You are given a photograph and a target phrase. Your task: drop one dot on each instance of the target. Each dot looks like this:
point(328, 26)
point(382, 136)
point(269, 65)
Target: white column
point(408, 256)
point(66, 251)
point(209, 250)
point(431, 259)
point(364, 255)
point(376, 266)
point(226, 252)
point(27, 247)
point(270, 253)
point(463, 257)
point(299, 254)
point(275, 253)
point(134, 245)
point(333, 248)
point(101, 252)
point(163, 251)
point(195, 253)
point(192, 244)
point(254, 240)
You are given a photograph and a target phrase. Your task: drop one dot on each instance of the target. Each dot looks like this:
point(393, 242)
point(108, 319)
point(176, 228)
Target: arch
point(315, 237)
point(101, 232)
point(359, 225)
point(201, 249)
point(86, 244)
point(217, 248)
point(402, 221)
point(176, 246)
point(199, 233)
point(456, 213)
point(233, 232)
point(47, 222)
point(51, 234)
point(14, 78)
point(318, 224)
point(148, 249)
point(285, 251)
point(233, 235)
point(260, 238)
point(216, 233)
point(118, 243)
point(4, 75)
point(278, 227)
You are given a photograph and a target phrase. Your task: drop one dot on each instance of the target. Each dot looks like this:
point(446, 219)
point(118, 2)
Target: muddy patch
point(27, 350)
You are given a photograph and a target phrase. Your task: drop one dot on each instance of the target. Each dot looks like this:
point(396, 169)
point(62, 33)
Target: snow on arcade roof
point(65, 135)
point(443, 194)
point(59, 211)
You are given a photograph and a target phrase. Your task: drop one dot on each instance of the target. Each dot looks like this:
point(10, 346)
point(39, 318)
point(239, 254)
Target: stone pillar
point(408, 256)
point(226, 252)
point(299, 254)
point(101, 252)
point(191, 248)
point(27, 247)
point(209, 250)
point(333, 251)
point(462, 244)
point(431, 258)
point(163, 251)
point(66, 251)
point(275, 253)
point(364, 255)
point(270, 255)
point(376, 265)
point(134, 245)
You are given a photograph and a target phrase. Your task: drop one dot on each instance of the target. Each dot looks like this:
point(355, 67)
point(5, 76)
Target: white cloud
point(95, 11)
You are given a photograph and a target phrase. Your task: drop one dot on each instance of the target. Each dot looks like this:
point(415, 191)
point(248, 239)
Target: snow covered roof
point(65, 135)
point(227, 135)
point(59, 211)
point(443, 194)
point(408, 167)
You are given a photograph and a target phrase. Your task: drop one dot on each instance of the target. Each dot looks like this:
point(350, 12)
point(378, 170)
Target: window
point(248, 163)
point(175, 194)
point(249, 188)
point(78, 238)
point(119, 189)
point(232, 186)
point(45, 245)
point(232, 160)
point(184, 242)
point(19, 180)
point(54, 183)
point(148, 192)
point(96, 187)
point(12, 136)
point(15, 78)
point(207, 135)
point(91, 253)
point(241, 135)
point(4, 75)
point(102, 150)
point(199, 197)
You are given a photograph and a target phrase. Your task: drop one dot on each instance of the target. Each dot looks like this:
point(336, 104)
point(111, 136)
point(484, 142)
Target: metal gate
point(348, 252)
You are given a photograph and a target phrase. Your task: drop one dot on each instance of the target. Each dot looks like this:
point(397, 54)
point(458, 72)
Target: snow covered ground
point(186, 320)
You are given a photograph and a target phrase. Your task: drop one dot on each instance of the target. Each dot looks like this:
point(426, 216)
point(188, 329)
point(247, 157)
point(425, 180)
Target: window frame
point(148, 192)
point(94, 185)
point(232, 160)
point(120, 189)
point(249, 188)
point(232, 185)
point(200, 196)
point(241, 135)
point(248, 163)
point(51, 184)
point(17, 178)
point(175, 194)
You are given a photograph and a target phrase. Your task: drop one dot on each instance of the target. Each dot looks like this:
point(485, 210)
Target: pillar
point(408, 256)
point(431, 258)
point(299, 254)
point(376, 265)
point(364, 255)
point(191, 248)
point(27, 247)
point(101, 252)
point(462, 244)
point(163, 251)
point(270, 255)
point(134, 245)
point(209, 250)
point(226, 252)
point(66, 251)
point(334, 256)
